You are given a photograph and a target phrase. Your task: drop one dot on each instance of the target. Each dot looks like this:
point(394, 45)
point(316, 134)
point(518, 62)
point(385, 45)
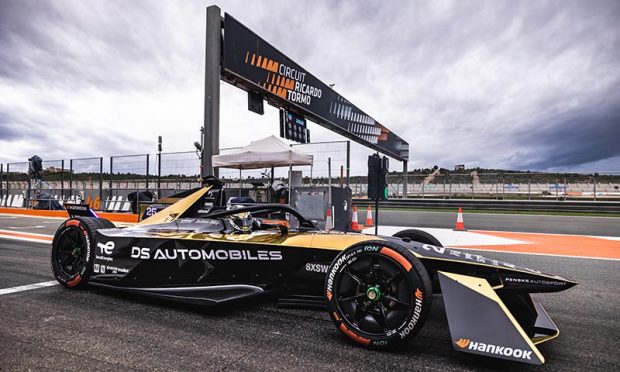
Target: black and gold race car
point(377, 289)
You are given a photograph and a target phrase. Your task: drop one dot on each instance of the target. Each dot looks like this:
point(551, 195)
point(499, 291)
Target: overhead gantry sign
point(252, 64)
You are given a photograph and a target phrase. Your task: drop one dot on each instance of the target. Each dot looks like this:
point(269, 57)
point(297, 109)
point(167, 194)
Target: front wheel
point(73, 250)
point(378, 294)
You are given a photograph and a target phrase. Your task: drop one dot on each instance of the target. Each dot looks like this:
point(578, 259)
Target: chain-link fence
point(129, 172)
point(331, 162)
point(109, 184)
point(2, 184)
point(177, 171)
point(16, 184)
point(86, 177)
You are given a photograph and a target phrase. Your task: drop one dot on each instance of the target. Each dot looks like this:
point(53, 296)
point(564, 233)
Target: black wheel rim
point(374, 294)
point(71, 251)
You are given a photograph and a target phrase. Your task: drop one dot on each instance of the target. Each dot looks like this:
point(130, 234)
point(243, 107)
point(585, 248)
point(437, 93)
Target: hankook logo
point(467, 344)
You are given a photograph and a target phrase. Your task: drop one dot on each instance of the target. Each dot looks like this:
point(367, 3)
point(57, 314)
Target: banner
point(267, 70)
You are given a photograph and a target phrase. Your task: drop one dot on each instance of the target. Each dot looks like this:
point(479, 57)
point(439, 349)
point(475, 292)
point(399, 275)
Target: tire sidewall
point(416, 314)
point(419, 236)
point(79, 279)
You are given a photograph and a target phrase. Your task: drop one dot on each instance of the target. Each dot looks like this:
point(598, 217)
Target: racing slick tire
point(424, 238)
point(418, 236)
point(106, 224)
point(73, 250)
point(378, 294)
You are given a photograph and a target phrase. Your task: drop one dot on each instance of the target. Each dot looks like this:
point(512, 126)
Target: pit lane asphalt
point(56, 328)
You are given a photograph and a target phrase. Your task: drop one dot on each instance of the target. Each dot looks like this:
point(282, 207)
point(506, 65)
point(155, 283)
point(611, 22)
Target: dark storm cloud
point(10, 132)
point(574, 138)
point(6, 132)
point(516, 84)
point(461, 80)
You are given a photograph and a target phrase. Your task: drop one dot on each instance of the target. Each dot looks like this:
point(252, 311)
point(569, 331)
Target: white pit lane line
point(27, 227)
point(26, 236)
point(28, 287)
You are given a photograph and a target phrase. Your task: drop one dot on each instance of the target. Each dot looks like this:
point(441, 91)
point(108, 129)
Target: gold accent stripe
point(173, 212)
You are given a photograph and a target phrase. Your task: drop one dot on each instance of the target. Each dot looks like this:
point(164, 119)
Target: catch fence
point(114, 183)
point(498, 185)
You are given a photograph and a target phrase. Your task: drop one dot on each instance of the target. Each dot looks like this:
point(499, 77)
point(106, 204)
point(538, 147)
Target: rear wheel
point(73, 250)
point(418, 236)
point(378, 294)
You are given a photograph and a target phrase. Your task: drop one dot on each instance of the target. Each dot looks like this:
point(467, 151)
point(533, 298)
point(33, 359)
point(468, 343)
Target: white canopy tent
point(264, 153)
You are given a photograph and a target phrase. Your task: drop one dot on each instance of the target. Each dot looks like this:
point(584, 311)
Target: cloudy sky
point(502, 84)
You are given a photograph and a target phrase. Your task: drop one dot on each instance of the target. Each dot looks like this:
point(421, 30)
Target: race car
point(377, 290)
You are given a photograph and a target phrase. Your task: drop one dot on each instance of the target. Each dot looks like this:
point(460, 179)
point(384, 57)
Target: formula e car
point(377, 289)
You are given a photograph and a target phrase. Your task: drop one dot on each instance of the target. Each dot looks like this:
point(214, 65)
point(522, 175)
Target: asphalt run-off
point(44, 326)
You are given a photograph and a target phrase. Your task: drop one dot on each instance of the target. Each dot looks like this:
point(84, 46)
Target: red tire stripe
point(75, 281)
point(353, 336)
point(72, 223)
point(397, 256)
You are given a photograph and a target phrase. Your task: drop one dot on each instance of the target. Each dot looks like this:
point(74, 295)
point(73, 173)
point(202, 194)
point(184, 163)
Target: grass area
point(498, 211)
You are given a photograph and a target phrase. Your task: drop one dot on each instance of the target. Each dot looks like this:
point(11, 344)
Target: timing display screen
point(293, 127)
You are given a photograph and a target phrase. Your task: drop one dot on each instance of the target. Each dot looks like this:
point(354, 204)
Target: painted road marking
point(27, 227)
point(608, 237)
point(29, 237)
point(569, 245)
point(449, 237)
point(27, 287)
point(7, 215)
point(581, 246)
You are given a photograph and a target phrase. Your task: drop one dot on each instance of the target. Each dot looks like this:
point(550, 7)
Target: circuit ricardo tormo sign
point(266, 69)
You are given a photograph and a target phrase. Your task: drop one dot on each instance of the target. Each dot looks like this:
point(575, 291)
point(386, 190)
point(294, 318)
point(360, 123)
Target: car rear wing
point(79, 210)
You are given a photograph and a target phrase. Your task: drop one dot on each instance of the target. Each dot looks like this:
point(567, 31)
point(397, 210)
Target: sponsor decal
point(87, 247)
point(338, 264)
point(106, 248)
point(145, 253)
point(474, 257)
point(316, 268)
point(96, 268)
point(102, 269)
point(467, 344)
point(207, 222)
point(430, 247)
point(77, 207)
point(113, 270)
point(534, 281)
point(417, 310)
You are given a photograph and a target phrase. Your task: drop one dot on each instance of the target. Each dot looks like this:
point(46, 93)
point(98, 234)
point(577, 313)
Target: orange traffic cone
point(369, 217)
point(355, 226)
point(328, 220)
point(460, 224)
